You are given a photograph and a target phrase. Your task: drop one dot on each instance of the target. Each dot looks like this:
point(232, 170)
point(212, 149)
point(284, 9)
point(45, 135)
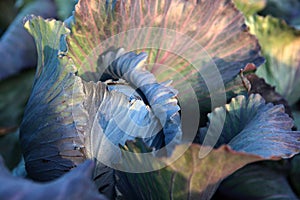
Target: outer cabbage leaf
point(51, 82)
point(258, 85)
point(189, 177)
point(254, 127)
point(264, 180)
point(75, 185)
point(281, 47)
point(68, 119)
point(17, 48)
point(238, 86)
point(213, 28)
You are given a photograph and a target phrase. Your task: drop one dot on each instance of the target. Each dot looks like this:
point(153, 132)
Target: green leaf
point(8, 13)
point(65, 8)
point(254, 127)
point(48, 114)
point(185, 177)
point(16, 45)
point(263, 180)
point(236, 87)
point(281, 47)
point(14, 93)
point(74, 185)
point(205, 34)
point(296, 114)
point(10, 149)
point(250, 7)
point(233, 88)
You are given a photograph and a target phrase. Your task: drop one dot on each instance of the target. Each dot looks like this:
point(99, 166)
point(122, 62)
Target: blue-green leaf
point(254, 127)
point(48, 113)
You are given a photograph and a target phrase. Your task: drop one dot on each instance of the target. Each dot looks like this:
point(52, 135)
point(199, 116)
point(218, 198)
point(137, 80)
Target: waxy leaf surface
point(254, 127)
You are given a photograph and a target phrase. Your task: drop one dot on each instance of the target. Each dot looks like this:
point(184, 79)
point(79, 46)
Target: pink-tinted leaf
point(197, 40)
point(258, 85)
point(188, 177)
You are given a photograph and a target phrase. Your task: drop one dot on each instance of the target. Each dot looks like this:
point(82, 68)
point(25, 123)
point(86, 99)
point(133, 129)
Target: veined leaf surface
point(254, 127)
point(191, 42)
point(189, 177)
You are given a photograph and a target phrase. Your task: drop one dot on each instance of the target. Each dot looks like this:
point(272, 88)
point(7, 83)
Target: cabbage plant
point(161, 95)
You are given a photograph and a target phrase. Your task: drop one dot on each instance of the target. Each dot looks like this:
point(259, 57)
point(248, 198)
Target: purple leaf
point(76, 184)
